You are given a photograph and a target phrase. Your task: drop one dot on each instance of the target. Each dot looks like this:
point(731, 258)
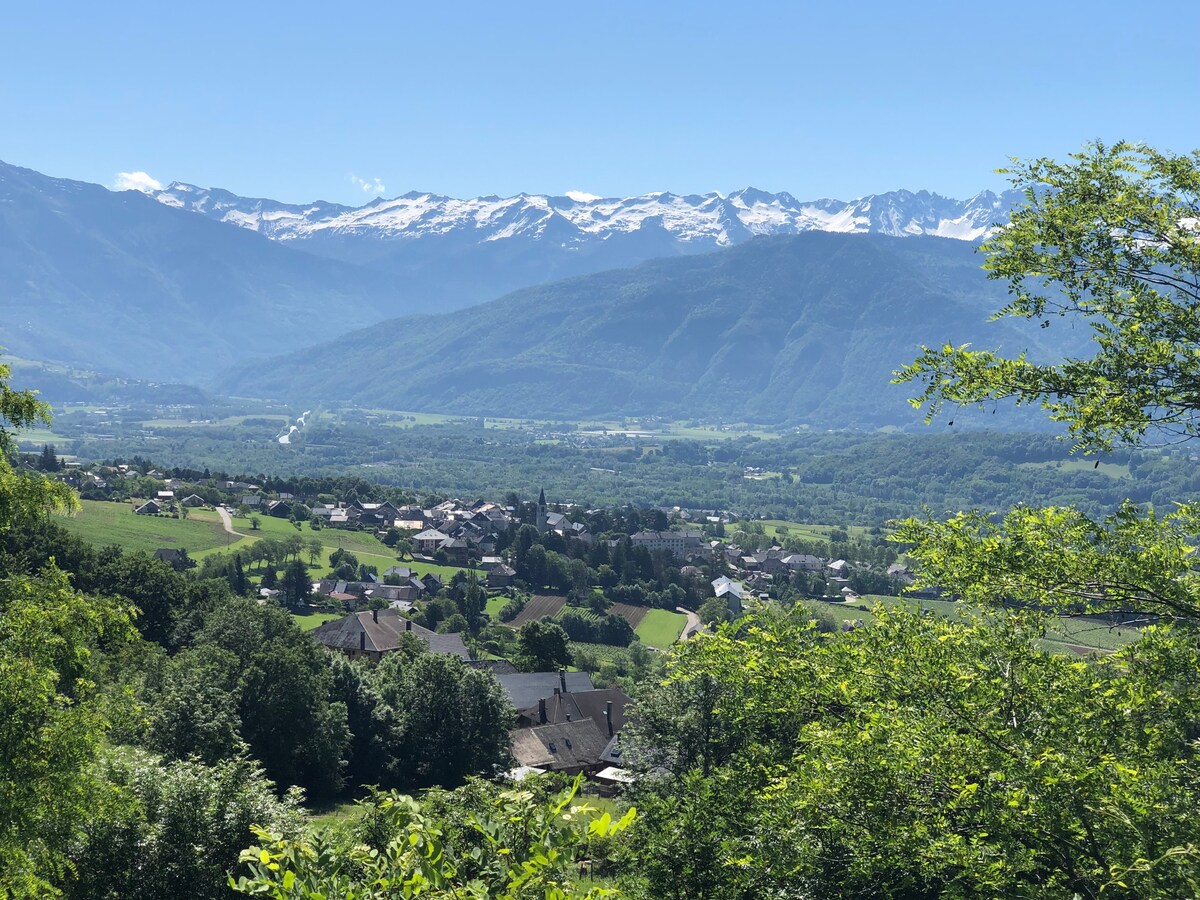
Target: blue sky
point(339, 101)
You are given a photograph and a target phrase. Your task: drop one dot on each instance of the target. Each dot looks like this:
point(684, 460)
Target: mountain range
point(447, 253)
point(805, 328)
point(184, 283)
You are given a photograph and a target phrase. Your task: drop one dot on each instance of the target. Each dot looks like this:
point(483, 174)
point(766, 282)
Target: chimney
point(542, 711)
point(608, 716)
point(375, 615)
point(408, 624)
point(556, 692)
point(568, 717)
point(562, 679)
point(362, 640)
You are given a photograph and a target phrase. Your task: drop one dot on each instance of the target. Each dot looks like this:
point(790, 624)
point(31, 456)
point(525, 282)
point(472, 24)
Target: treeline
point(863, 479)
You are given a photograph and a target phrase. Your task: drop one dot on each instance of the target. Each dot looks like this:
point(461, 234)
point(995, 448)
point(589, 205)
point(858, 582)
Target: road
point(694, 625)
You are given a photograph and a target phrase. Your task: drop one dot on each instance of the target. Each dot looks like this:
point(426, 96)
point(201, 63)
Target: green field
point(102, 523)
point(805, 532)
point(312, 620)
point(1112, 470)
point(366, 547)
point(201, 534)
point(1062, 635)
point(494, 605)
point(661, 628)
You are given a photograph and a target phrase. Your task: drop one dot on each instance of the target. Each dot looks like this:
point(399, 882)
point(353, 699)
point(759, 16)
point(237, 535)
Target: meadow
point(102, 523)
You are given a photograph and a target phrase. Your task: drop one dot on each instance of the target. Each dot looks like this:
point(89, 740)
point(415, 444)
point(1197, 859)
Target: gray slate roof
point(384, 630)
point(525, 689)
point(565, 746)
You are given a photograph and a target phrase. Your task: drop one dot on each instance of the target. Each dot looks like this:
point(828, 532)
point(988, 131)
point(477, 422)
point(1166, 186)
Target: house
point(569, 731)
point(250, 500)
point(164, 496)
point(678, 543)
point(525, 689)
point(149, 508)
point(803, 562)
point(192, 501)
point(457, 551)
point(379, 631)
point(604, 706)
point(280, 509)
point(428, 541)
point(171, 556)
point(501, 576)
point(733, 592)
point(568, 747)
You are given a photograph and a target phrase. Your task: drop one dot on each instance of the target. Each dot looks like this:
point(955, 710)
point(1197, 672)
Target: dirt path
point(227, 521)
point(694, 625)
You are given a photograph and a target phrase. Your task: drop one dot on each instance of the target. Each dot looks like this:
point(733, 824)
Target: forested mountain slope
point(804, 328)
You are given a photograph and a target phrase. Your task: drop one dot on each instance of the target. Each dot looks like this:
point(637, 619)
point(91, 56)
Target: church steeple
point(541, 512)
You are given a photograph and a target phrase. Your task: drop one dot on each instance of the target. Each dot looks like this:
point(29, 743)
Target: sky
point(347, 101)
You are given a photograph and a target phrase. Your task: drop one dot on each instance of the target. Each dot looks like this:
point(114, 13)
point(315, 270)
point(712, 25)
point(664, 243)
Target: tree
point(453, 720)
point(193, 710)
point(48, 461)
point(1108, 240)
point(50, 726)
point(255, 523)
point(171, 829)
point(919, 756)
point(295, 585)
point(289, 717)
point(542, 647)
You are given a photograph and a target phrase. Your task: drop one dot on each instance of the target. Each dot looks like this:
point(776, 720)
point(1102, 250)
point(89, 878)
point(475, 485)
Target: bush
point(589, 628)
point(512, 609)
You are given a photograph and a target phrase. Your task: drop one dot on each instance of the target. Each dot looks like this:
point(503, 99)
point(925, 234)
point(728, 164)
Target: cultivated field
point(538, 606)
point(630, 613)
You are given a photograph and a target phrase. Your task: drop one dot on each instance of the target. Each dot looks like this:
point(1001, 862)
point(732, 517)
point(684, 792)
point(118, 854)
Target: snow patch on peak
point(578, 217)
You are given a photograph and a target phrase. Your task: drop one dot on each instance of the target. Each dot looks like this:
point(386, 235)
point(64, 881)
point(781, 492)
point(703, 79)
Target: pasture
point(102, 523)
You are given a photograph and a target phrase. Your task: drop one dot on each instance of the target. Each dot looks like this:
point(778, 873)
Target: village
point(468, 578)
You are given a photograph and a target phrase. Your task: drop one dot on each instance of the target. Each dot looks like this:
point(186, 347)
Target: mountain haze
point(118, 282)
point(803, 329)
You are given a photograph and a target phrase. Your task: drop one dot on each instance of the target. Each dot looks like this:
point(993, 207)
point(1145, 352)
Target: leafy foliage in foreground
point(1108, 240)
point(507, 845)
point(921, 757)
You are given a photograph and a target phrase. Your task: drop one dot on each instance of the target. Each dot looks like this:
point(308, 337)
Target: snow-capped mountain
point(696, 221)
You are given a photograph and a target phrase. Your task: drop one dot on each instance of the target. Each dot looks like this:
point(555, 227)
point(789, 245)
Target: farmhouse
point(372, 634)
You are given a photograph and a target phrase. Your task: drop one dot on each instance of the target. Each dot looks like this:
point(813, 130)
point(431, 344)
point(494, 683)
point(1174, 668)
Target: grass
point(201, 534)
point(313, 620)
point(1073, 635)
point(661, 628)
point(31, 440)
point(334, 817)
point(494, 605)
point(1112, 470)
point(778, 528)
point(366, 548)
point(228, 421)
point(102, 523)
